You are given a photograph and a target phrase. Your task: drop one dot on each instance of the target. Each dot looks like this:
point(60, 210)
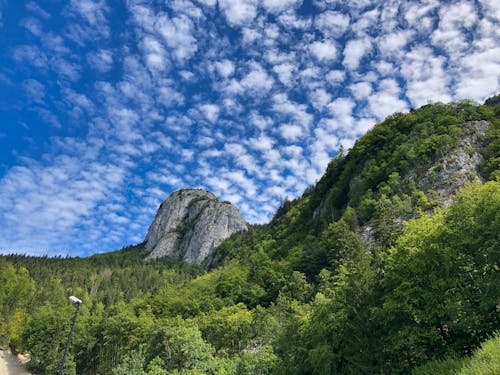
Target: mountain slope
point(408, 164)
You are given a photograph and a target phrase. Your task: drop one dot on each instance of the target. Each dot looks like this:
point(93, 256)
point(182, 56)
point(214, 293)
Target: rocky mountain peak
point(190, 224)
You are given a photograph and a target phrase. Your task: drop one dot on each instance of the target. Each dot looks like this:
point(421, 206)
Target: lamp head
point(74, 300)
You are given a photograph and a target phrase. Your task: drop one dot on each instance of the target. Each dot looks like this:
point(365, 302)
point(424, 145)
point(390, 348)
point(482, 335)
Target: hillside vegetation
point(383, 266)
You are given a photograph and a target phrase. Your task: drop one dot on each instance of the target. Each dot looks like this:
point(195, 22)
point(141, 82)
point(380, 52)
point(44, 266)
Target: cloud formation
point(249, 99)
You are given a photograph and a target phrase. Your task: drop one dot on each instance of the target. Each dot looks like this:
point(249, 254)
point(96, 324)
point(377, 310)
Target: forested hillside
point(389, 264)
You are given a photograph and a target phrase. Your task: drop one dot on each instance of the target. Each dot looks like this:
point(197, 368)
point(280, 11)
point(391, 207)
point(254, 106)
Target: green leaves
point(439, 278)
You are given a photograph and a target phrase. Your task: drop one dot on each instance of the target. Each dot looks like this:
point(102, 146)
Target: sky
point(108, 106)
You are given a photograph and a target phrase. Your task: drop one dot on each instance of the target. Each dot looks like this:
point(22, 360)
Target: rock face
point(190, 224)
point(454, 169)
point(448, 174)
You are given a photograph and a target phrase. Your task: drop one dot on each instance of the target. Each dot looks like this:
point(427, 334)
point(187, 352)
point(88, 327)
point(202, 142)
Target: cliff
point(190, 224)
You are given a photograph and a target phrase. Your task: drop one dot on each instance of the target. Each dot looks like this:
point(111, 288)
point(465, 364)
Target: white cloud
point(426, 79)
point(355, 5)
point(187, 155)
point(32, 24)
point(319, 98)
point(479, 75)
point(143, 17)
point(261, 122)
point(219, 186)
point(290, 20)
point(272, 35)
point(261, 143)
point(454, 21)
point(241, 157)
point(177, 33)
point(31, 55)
point(96, 23)
point(361, 90)
point(385, 68)
point(366, 21)
point(65, 69)
point(168, 96)
point(34, 90)
point(64, 195)
point(289, 109)
point(291, 132)
point(210, 3)
point(124, 121)
point(386, 100)
point(311, 77)
point(324, 51)
point(394, 43)
point(225, 68)
point(285, 73)
point(239, 178)
point(204, 141)
point(48, 117)
point(341, 110)
point(210, 111)
point(188, 8)
point(239, 12)
point(275, 56)
point(293, 151)
point(35, 8)
point(101, 60)
point(319, 159)
point(154, 54)
point(78, 103)
point(335, 77)
point(491, 9)
point(257, 80)
point(250, 35)
point(415, 13)
point(277, 6)
point(354, 51)
point(55, 43)
point(92, 10)
point(332, 24)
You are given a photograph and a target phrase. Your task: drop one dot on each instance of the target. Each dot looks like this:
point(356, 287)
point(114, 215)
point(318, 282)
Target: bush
point(484, 361)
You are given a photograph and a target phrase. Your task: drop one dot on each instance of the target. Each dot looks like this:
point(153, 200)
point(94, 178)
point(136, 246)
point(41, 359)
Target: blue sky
point(106, 107)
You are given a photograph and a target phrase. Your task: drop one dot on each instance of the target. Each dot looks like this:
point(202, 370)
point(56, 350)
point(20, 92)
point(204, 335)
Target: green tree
point(45, 338)
point(185, 348)
point(440, 294)
point(229, 328)
point(16, 290)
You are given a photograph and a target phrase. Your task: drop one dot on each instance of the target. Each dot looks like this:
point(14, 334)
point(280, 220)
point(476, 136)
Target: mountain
point(407, 165)
point(190, 224)
point(388, 264)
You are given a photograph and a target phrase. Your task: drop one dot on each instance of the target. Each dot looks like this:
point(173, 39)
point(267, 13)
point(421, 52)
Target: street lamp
point(76, 302)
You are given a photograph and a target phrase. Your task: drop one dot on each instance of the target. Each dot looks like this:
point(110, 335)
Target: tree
point(45, 338)
point(342, 334)
point(16, 290)
point(185, 348)
point(440, 293)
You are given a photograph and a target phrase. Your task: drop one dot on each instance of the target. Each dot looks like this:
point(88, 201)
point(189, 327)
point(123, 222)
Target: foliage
point(441, 279)
point(484, 361)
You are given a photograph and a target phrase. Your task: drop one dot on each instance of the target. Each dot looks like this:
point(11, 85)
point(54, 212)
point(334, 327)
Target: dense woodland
point(306, 293)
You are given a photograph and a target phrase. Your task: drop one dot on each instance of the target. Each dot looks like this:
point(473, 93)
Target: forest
point(371, 271)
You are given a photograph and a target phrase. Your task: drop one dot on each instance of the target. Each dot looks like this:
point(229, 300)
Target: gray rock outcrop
point(190, 224)
point(448, 174)
point(455, 168)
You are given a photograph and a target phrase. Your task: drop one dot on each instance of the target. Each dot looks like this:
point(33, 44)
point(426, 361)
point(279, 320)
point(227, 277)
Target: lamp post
point(76, 302)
